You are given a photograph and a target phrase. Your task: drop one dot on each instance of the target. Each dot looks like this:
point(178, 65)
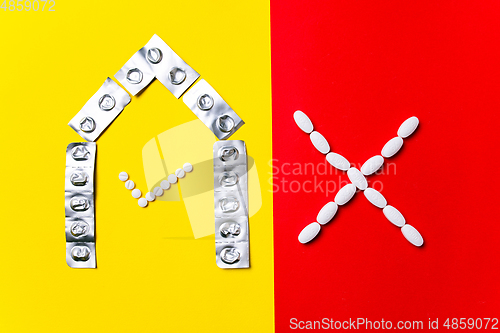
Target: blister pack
point(231, 204)
point(136, 74)
point(157, 59)
point(100, 110)
point(212, 110)
point(79, 205)
point(173, 72)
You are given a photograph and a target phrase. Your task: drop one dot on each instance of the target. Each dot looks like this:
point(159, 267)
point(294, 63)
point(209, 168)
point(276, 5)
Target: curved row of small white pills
point(136, 193)
point(358, 180)
point(157, 191)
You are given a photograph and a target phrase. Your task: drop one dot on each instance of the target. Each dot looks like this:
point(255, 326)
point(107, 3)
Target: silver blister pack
point(137, 73)
point(212, 110)
point(80, 229)
point(231, 204)
point(229, 180)
point(231, 229)
point(232, 255)
point(80, 255)
point(79, 205)
point(100, 110)
point(173, 72)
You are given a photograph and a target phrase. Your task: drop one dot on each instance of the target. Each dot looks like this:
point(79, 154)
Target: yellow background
point(146, 281)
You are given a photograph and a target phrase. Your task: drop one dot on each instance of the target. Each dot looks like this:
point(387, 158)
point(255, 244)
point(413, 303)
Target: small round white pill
point(123, 176)
point(165, 184)
point(327, 213)
point(188, 167)
point(180, 173)
point(303, 121)
point(129, 184)
point(412, 235)
point(136, 193)
point(338, 161)
point(172, 179)
point(150, 196)
point(142, 202)
point(392, 147)
point(408, 127)
point(309, 232)
point(357, 178)
point(375, 197)
point(158, 191)
point(345, 194)
point(319, 142)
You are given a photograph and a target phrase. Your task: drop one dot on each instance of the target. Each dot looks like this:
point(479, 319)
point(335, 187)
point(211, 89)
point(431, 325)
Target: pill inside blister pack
point(79, 205)
point(231, 204)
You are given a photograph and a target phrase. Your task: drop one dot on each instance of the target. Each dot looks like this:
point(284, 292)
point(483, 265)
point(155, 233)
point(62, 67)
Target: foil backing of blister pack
point(100, 110)
point(212, 110)
point(137, 73)
point(156, 60)
point(173, 72)
point(231, 204)
point(79, 205)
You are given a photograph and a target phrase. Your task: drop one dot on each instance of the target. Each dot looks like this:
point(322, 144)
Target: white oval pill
point(375, 197)
point(150, 196)
point(165, 184)
point(303, 121)
point(394, 216)
point(408, 127)
point(412, 235)
point(142, 202)
point(180, 173)
point(172, 179)
point(123, 176)
point(320, 142)
point(338, 161)
point(309, 232)
point(188, 167)
point(327, 213)
point(345, 194)
point(129, 184)
point(357, 178)
point(136, 193)
point(372, 164)
point(158, 191)
point(392, 147)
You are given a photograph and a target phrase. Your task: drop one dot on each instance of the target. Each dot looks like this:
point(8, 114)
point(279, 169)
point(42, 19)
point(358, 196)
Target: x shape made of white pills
point(358, 180)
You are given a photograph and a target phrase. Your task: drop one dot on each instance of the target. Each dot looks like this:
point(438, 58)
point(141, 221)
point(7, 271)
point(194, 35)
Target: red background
point(359, 69)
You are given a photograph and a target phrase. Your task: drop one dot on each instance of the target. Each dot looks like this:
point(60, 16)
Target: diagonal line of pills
point(157, 191)
point(358, 180)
